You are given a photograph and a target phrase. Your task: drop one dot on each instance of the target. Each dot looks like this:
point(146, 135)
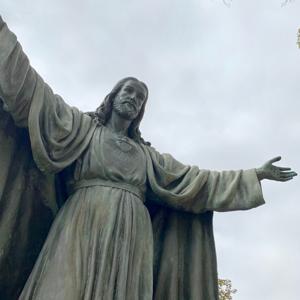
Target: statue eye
point(128, 89)
point(140, 97)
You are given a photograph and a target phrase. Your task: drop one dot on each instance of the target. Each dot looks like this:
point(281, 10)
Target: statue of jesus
point(119, 220)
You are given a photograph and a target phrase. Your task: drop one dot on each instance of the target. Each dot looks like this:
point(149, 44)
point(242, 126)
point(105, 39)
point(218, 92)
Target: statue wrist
point(260, 174)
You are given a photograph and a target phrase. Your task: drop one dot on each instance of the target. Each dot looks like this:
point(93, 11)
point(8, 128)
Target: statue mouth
point(130, 104)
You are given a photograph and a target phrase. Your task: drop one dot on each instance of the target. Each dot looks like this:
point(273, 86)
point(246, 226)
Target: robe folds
point(156, 243)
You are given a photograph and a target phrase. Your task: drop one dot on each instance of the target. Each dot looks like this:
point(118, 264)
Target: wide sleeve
point(194, 190)
point(58, 133)
point(17, 79)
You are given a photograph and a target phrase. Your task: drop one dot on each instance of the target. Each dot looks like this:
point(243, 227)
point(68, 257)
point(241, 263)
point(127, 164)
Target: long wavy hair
point(103, 112)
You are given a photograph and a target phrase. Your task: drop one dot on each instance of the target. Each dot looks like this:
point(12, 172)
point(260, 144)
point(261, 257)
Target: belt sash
point(137, 191)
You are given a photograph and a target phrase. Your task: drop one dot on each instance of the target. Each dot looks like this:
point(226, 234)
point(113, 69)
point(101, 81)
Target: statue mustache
point(129, 101)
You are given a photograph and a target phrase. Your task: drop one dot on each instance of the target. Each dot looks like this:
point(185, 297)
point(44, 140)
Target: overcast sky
point(224, 94)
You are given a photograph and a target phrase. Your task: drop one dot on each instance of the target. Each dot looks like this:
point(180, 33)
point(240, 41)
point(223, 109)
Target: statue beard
point(122, 111)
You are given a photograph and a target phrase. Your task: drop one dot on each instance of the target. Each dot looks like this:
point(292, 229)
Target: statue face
point(129, 100)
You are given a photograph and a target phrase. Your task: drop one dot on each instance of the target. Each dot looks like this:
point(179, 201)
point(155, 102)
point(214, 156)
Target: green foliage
point(225, 289)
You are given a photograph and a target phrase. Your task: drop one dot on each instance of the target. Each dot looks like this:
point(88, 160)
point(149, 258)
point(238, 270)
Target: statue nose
point(132, 98)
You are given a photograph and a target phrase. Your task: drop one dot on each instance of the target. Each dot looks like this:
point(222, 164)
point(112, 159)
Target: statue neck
point(118, 124)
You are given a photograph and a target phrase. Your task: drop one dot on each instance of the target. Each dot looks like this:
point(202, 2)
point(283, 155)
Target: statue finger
point(277, 158)
point(285, 179)
point(284, 168)
point(287, 174)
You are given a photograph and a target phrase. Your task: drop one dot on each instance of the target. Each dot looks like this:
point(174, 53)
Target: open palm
point(271, 172)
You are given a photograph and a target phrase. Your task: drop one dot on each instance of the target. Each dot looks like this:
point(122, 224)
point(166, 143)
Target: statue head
point(104, 111)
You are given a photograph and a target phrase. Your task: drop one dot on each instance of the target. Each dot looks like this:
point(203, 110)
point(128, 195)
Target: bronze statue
point(90, 210)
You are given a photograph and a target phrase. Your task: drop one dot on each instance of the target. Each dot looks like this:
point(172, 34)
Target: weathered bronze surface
point(89, 210)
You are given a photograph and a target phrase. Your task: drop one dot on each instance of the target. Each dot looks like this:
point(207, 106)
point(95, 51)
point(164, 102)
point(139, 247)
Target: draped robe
point(38, 158)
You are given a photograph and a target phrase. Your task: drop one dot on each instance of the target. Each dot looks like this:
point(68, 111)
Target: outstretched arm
point(20, 83)
point(58, 133)
point(17, 78)
point(195, 190)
